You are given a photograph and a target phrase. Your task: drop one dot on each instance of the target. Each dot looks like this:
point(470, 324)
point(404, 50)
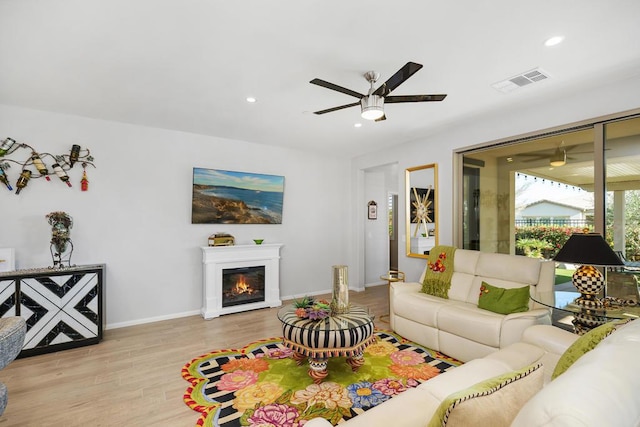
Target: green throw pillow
point(490, 403)
point(503, 301)
point(583, 345)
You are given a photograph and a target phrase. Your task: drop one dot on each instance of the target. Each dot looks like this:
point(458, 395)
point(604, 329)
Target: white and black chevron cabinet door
point(59, 309)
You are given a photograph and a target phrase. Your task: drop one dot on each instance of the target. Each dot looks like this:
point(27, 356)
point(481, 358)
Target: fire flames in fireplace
point(242, 285)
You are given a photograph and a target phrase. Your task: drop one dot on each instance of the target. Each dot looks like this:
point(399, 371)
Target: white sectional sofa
point(456, 326)
point(601, 388)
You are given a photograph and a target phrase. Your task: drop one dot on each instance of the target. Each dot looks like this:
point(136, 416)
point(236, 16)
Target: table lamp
point(588, 250)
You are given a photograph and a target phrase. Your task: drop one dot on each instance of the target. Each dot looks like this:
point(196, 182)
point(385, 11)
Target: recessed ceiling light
point(251, 99)
point(552, 41)
point(357, 125)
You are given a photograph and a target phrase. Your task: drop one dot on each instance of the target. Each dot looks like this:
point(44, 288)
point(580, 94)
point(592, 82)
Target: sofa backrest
point(471, 268)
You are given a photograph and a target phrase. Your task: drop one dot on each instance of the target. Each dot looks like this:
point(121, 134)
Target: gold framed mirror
point(421, 184)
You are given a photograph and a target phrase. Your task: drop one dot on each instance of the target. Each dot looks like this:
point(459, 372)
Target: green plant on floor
point(533, 247)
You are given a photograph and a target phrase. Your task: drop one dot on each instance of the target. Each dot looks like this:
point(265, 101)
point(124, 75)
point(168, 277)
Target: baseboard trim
point(197, 312)
point(152, 319)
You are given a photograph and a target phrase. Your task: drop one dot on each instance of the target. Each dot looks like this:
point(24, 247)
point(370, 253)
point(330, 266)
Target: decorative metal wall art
point(35, 167)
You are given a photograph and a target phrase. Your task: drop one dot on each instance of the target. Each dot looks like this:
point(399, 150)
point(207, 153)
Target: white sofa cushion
point(519, 269)
point(599, 389)
point(467, 320)
point(419, 307)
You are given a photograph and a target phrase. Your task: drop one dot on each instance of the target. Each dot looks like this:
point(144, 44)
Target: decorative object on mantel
point(61, 164)
point(340, 298)
point(61, 246)
point(258, 241)
point(221, 239)
point(372, 209)
point(228, 197)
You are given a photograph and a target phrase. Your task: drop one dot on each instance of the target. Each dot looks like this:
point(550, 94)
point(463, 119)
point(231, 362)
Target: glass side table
point(345, 335)
point(585, 319)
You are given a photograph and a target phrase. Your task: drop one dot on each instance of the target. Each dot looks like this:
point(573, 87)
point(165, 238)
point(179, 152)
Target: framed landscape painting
point(228, 197)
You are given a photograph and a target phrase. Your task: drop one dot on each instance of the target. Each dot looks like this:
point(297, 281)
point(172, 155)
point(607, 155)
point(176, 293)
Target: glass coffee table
point(341, 335)
point(585, 319)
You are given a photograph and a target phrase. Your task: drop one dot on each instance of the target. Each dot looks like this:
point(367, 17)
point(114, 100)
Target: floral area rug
point(261, 384)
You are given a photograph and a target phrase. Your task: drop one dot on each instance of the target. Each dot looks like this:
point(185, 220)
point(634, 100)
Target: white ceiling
point(188, 65)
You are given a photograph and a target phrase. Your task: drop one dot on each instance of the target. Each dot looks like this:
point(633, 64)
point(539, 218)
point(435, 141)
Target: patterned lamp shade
point(587, 250)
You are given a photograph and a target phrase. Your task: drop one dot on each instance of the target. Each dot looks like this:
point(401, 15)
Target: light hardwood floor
point(132, 378)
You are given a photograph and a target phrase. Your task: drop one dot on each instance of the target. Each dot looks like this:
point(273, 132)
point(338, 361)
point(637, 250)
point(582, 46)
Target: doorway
point(393, 230)
point(380, 183)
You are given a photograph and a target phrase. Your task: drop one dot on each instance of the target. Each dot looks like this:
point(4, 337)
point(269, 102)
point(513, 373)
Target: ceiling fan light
point(372, 107)
point(559, 158)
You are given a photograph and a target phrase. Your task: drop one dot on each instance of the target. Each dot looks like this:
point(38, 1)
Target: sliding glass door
point(526, 196)
point(622, 172)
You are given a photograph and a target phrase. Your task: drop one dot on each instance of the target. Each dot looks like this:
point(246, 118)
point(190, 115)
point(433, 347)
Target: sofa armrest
point(536, 314)
point(550, 338)
point(401, 287)
point(514, 324)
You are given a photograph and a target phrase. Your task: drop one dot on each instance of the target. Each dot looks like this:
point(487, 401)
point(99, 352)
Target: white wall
point(438, 148)
point(136, 216)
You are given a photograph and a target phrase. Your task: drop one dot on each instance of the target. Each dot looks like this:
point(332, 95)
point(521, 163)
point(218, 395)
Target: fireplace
point(239, 278)
point(242, 285)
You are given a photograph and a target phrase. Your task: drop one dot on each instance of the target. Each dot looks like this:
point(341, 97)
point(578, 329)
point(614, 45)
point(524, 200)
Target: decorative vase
point(61, 245)
point(340, 298)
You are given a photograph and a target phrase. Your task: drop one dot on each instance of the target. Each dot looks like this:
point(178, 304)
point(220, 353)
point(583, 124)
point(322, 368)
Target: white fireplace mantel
point(215, 259)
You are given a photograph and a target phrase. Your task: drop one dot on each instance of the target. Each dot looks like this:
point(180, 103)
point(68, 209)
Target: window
point(527, 194)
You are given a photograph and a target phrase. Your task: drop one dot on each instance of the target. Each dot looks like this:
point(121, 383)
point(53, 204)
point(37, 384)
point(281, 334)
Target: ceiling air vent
point(524, 79)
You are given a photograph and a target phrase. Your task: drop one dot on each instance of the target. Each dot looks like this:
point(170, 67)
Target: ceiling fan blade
point(413, 98)
point(336, 88)
point(409, 69)
point(328, 110)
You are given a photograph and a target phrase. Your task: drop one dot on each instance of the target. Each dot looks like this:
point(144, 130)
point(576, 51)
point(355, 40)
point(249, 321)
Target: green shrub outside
point(533, 248)
point(632, 241)
point(554, 235)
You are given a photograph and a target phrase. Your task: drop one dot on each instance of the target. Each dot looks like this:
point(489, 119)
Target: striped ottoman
point(344, 335)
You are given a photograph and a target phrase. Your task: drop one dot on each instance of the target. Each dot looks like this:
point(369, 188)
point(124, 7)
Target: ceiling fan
point(372, 104)
point(556, 158)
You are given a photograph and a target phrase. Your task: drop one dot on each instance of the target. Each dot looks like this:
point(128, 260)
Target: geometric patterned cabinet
point(63, 308)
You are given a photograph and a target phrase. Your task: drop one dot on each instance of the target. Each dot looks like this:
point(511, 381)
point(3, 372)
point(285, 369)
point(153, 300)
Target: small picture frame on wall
point(7, 259)
point(372, 210)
